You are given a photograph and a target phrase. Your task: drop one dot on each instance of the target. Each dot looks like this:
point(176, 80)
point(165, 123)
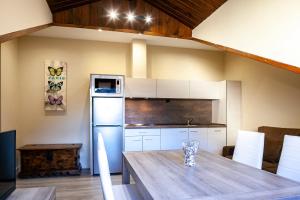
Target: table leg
point(125, 173)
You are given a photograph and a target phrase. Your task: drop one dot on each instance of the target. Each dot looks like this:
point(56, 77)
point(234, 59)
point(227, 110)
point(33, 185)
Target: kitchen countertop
point(137, 126)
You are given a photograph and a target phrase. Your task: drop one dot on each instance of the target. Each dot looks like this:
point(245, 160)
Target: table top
point(50, 146)
point(162, 175)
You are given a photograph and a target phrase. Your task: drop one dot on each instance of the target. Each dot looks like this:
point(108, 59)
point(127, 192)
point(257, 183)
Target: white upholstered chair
point(289, 163)
point(249, 148)
point(112, 192)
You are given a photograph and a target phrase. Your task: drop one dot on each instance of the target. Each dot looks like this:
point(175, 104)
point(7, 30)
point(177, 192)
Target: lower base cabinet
point(151, 143)
point(210, 139)
point(199, 134)
point(216, 140)
point(172, 138)
point(142, 139)
point(134, 143)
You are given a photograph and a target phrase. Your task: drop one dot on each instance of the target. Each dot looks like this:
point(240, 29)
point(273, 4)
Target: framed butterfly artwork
point(55, 85)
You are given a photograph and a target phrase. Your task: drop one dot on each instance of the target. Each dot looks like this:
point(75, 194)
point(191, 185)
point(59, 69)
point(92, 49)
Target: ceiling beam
point(275, 63)
point(16, 34)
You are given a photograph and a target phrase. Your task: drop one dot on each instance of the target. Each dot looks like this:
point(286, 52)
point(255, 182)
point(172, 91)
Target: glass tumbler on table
point(190, 149)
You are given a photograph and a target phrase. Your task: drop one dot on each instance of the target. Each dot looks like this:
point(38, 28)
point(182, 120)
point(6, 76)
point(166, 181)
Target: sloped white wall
point(17, 15)
point(270, 96)
point(268, 28)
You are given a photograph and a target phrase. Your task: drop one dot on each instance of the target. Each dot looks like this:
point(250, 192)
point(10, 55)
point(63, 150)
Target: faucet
point(189, 121)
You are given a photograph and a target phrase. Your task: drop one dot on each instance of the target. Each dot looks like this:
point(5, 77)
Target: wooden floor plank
point(71, 188)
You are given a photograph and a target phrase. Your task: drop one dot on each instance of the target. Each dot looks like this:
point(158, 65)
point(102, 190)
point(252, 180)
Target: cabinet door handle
point(136, 140)
point(194, 131)
point(217, 131)
point(182, 131)
point(148, 139)
point(142, 132)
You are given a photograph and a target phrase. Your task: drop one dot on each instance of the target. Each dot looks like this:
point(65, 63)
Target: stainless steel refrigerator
point(108, 121)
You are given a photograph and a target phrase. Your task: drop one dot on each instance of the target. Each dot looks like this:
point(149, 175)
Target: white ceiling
point(113, 36)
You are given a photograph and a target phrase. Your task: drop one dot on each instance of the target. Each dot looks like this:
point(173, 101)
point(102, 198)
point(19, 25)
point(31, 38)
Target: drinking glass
point(190, 149)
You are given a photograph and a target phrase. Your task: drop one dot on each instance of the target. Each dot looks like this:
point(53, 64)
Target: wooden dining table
point(163, 175)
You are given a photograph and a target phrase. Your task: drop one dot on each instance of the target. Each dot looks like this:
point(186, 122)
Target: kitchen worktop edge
point(153, 126)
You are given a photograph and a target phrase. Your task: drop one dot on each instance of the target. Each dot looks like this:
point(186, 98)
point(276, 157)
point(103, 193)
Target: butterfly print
point(55, 86)
point(55, 72)
point(55, 101)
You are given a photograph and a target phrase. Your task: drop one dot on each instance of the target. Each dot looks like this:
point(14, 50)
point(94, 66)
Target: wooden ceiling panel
point(59, 5)
point(95, 15)
point(189, 12)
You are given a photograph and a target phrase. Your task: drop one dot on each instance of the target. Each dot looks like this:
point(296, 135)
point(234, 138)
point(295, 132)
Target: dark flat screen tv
point(7, 163)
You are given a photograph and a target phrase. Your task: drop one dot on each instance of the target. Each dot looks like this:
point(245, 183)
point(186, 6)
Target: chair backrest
point(289, 163)
point(104, 170)
point(249, 148)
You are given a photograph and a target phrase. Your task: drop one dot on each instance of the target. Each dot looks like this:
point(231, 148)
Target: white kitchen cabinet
point(204, 89)
point(151, 143)
point(134, 143)
point(173, 89)
point(227, 110)
point(199, 134)
point(142, 132)
point(172, 138)
point(216, 140)
point(142, 139)
point(140, 88)
point(211, 139)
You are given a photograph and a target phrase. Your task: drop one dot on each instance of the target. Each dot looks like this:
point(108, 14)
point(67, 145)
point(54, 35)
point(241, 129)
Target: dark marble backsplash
point(167, 111)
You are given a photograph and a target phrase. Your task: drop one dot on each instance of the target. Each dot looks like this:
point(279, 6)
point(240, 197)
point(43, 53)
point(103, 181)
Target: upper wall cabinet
point(173, 89)
point(204, 89)
point(176, 89)
point(138, 87)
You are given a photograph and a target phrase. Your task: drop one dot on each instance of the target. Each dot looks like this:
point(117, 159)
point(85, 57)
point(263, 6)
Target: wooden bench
point(38, 160)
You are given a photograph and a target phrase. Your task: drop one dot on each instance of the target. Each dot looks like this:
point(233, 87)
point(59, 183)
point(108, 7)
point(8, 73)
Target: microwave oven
point(107, 85)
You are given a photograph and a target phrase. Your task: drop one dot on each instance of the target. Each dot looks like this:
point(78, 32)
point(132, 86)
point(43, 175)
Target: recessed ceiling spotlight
point(113, 14)
point(100, 30)
point(130, 16)
point(148, 19)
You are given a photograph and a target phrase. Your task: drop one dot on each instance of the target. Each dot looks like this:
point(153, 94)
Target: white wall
point(184, 64)
point(9, 85)
point(10, 88)
point(139, 58)
point(17, 15)
point(83, 58)
point(270, 96)
point(268, 28)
